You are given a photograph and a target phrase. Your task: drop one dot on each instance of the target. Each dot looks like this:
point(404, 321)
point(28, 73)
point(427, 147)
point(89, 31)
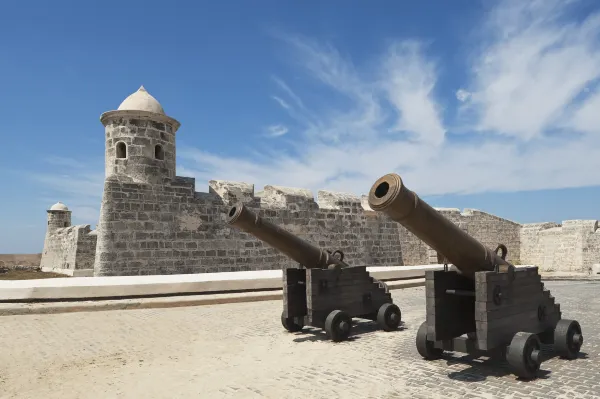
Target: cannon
point(482, 304)
point(324, 292)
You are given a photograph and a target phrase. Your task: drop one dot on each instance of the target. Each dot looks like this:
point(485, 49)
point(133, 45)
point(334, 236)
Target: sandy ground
point(241, 350)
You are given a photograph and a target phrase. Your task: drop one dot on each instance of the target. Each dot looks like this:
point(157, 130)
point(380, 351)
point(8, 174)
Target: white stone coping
point(126, 286)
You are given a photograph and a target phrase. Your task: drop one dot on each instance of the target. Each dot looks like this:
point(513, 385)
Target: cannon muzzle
point(296, 248)
point(390, 196)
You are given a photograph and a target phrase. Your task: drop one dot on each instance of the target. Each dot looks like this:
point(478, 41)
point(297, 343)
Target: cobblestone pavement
point(240, 350)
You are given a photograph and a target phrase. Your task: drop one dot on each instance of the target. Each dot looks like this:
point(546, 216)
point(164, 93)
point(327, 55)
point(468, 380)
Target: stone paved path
point(241, 351)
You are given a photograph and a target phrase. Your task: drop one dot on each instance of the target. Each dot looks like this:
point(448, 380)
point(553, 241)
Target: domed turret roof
point(59, 206)
point(141, 100)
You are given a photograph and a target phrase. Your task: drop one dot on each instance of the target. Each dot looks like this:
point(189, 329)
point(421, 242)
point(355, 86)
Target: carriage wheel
point(426, 348)
point(524, 355)
point(568, 338)
point(290, 324)
point(389, 316)
point(338, 325)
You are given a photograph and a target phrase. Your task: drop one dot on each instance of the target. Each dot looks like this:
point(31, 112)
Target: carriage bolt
point(344, 326)
point(536, 356)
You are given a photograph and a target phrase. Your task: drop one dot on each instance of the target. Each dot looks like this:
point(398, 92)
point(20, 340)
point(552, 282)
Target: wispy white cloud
point(75, 183)
point(342, 148)
point(528, 112)
point(524, 82)
point(294, 106)
point(462, 95)
point(276, 130)
point(281, 102)
point(409, 79)
point(585, 117)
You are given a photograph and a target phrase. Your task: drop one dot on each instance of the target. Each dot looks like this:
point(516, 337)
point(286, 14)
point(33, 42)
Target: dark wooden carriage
point(482, 304)
point(324, 292)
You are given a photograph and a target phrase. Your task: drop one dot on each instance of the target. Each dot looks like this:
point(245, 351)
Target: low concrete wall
point(23, 308)
point(131, 286)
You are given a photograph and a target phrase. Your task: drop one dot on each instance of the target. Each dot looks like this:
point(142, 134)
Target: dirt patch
point(27, 274)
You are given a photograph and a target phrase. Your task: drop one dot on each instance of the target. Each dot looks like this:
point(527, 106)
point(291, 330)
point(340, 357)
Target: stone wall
point(68, 249)
point(488, 229)
point(171, 228)
point(10, 261)
point(571, 247)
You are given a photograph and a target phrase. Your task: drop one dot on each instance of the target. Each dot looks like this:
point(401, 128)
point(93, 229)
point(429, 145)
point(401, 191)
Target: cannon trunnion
point(325, 292)
point(482, 305)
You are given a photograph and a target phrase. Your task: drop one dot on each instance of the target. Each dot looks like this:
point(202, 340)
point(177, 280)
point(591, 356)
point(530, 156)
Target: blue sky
point(490, 105)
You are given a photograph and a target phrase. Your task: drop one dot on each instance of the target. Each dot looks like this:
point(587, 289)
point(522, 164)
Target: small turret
point(59, 216)
point(140, 140)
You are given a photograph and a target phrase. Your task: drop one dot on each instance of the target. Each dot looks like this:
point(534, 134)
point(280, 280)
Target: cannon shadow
point(481, 368)
point(360, 327)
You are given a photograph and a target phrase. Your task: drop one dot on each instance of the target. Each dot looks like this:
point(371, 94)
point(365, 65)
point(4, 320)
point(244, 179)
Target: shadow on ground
point(481, 368)
point(359, 328)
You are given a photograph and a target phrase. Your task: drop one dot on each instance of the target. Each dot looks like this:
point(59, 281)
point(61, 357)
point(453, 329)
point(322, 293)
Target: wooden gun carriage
point(325, 292)
point(482, 305)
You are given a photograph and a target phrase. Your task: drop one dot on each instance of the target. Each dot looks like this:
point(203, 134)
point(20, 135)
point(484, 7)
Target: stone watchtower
point(140, 140)
point(140, 166)
point(58, 216)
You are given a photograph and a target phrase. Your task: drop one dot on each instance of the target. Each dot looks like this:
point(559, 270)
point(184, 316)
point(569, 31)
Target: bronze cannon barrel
point(296, 248)
point(390, 196)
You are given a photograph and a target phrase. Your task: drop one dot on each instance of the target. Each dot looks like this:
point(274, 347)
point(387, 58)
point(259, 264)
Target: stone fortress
point(154, 222)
